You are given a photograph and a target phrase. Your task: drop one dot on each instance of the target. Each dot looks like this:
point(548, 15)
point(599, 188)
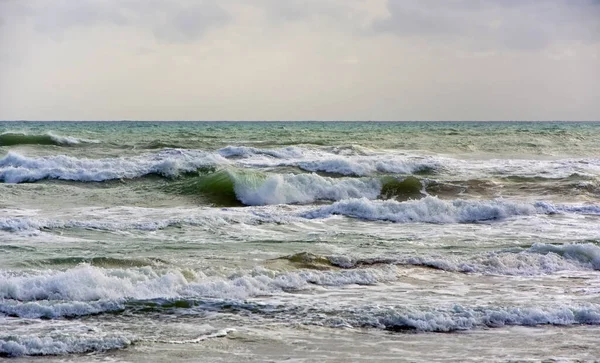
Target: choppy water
point(138, 241)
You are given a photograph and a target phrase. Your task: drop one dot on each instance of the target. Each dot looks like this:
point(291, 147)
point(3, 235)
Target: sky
point(299, 60)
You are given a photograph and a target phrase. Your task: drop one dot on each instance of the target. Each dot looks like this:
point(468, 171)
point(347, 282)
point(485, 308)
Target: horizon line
point(299, 120)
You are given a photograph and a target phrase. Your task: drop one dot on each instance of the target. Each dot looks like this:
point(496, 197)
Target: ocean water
point(303, 241)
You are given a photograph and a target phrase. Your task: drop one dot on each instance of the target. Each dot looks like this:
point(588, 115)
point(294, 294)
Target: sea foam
point(427, 210)
point(16, 168)
point(32, 345)
point(304, 188)
point(584, 253)
point(458, 317)
point(90, 290)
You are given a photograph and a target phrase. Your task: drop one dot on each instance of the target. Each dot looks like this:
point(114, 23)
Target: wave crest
point(16, 168)
point(427, 210)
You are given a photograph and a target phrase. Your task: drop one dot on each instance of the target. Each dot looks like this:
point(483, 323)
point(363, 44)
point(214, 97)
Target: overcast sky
point(300, 59)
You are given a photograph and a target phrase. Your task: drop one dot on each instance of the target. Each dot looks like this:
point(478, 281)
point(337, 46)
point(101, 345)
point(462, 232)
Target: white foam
point(537, 260)
point(52, 310)
point(353, 161)
point(304, 188)
point(70, 140)
point(428, 210)
point(319, 161)
point(498, 263)
point(144, 219)
point(31, 345)
point(90, 290)
point(364, 166)
point(16, 168)
point(217, 334)
point(465, 318)
point(246, 151)
point(584, 253)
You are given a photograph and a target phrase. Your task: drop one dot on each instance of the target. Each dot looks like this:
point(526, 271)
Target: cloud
point(188, 22)
point(296, 10)
point(504, 24)
point(299, 59)
point(171, 21)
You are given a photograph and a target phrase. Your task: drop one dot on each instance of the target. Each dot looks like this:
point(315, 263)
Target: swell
point(169, 163)
point(537, 259)
point(87, 290)
point(17, 138)
point(106, 262)
point(463, 318)
point(232, 187)
point(235, 181)
point(427, 210)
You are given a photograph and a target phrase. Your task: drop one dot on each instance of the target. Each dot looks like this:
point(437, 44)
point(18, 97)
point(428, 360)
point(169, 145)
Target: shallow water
point(302, 241)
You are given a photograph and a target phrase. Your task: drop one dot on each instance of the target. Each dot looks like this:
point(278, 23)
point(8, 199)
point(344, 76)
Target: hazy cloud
point(176, 20)
point(299, 59)
point(519, 24)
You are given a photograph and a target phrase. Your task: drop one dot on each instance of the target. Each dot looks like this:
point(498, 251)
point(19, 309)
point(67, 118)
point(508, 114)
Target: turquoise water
point(222, 241)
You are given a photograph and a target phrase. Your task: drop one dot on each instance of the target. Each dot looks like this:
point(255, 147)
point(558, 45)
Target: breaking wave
point(435, 210)
point(86, 290)
point(231, 187)
point(149, 219)
point(16, 168)
point(246, 151)
point(253, 188)
point(59, 344)
point(458, 317)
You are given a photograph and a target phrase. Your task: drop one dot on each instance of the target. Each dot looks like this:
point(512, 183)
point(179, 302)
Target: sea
point(299, 241)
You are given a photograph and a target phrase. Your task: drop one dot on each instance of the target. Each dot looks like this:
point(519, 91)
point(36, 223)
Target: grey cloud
point(54, 17)
point(321, 12)
point(301, 9)
point(172, 21)
point(522, 24)
point(190, 23)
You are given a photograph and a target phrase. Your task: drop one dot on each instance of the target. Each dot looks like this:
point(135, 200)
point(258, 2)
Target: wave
point(427, 210)
point(538, 259)
point(588, 253)
point(317, 160)
point(88, 290)
point(352, 161)
point(107, 262)
point(17, 138)
point(60, 344)
point(253, 188)
point(231, 187)
point(349, 167)
point(370, 167)
point(246, 151)
point(16, 168)
point(458, 317)
point(150, 219)
point(435, 210)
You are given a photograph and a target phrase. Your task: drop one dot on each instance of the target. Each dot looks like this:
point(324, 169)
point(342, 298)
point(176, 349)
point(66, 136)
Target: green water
point(314, 241)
